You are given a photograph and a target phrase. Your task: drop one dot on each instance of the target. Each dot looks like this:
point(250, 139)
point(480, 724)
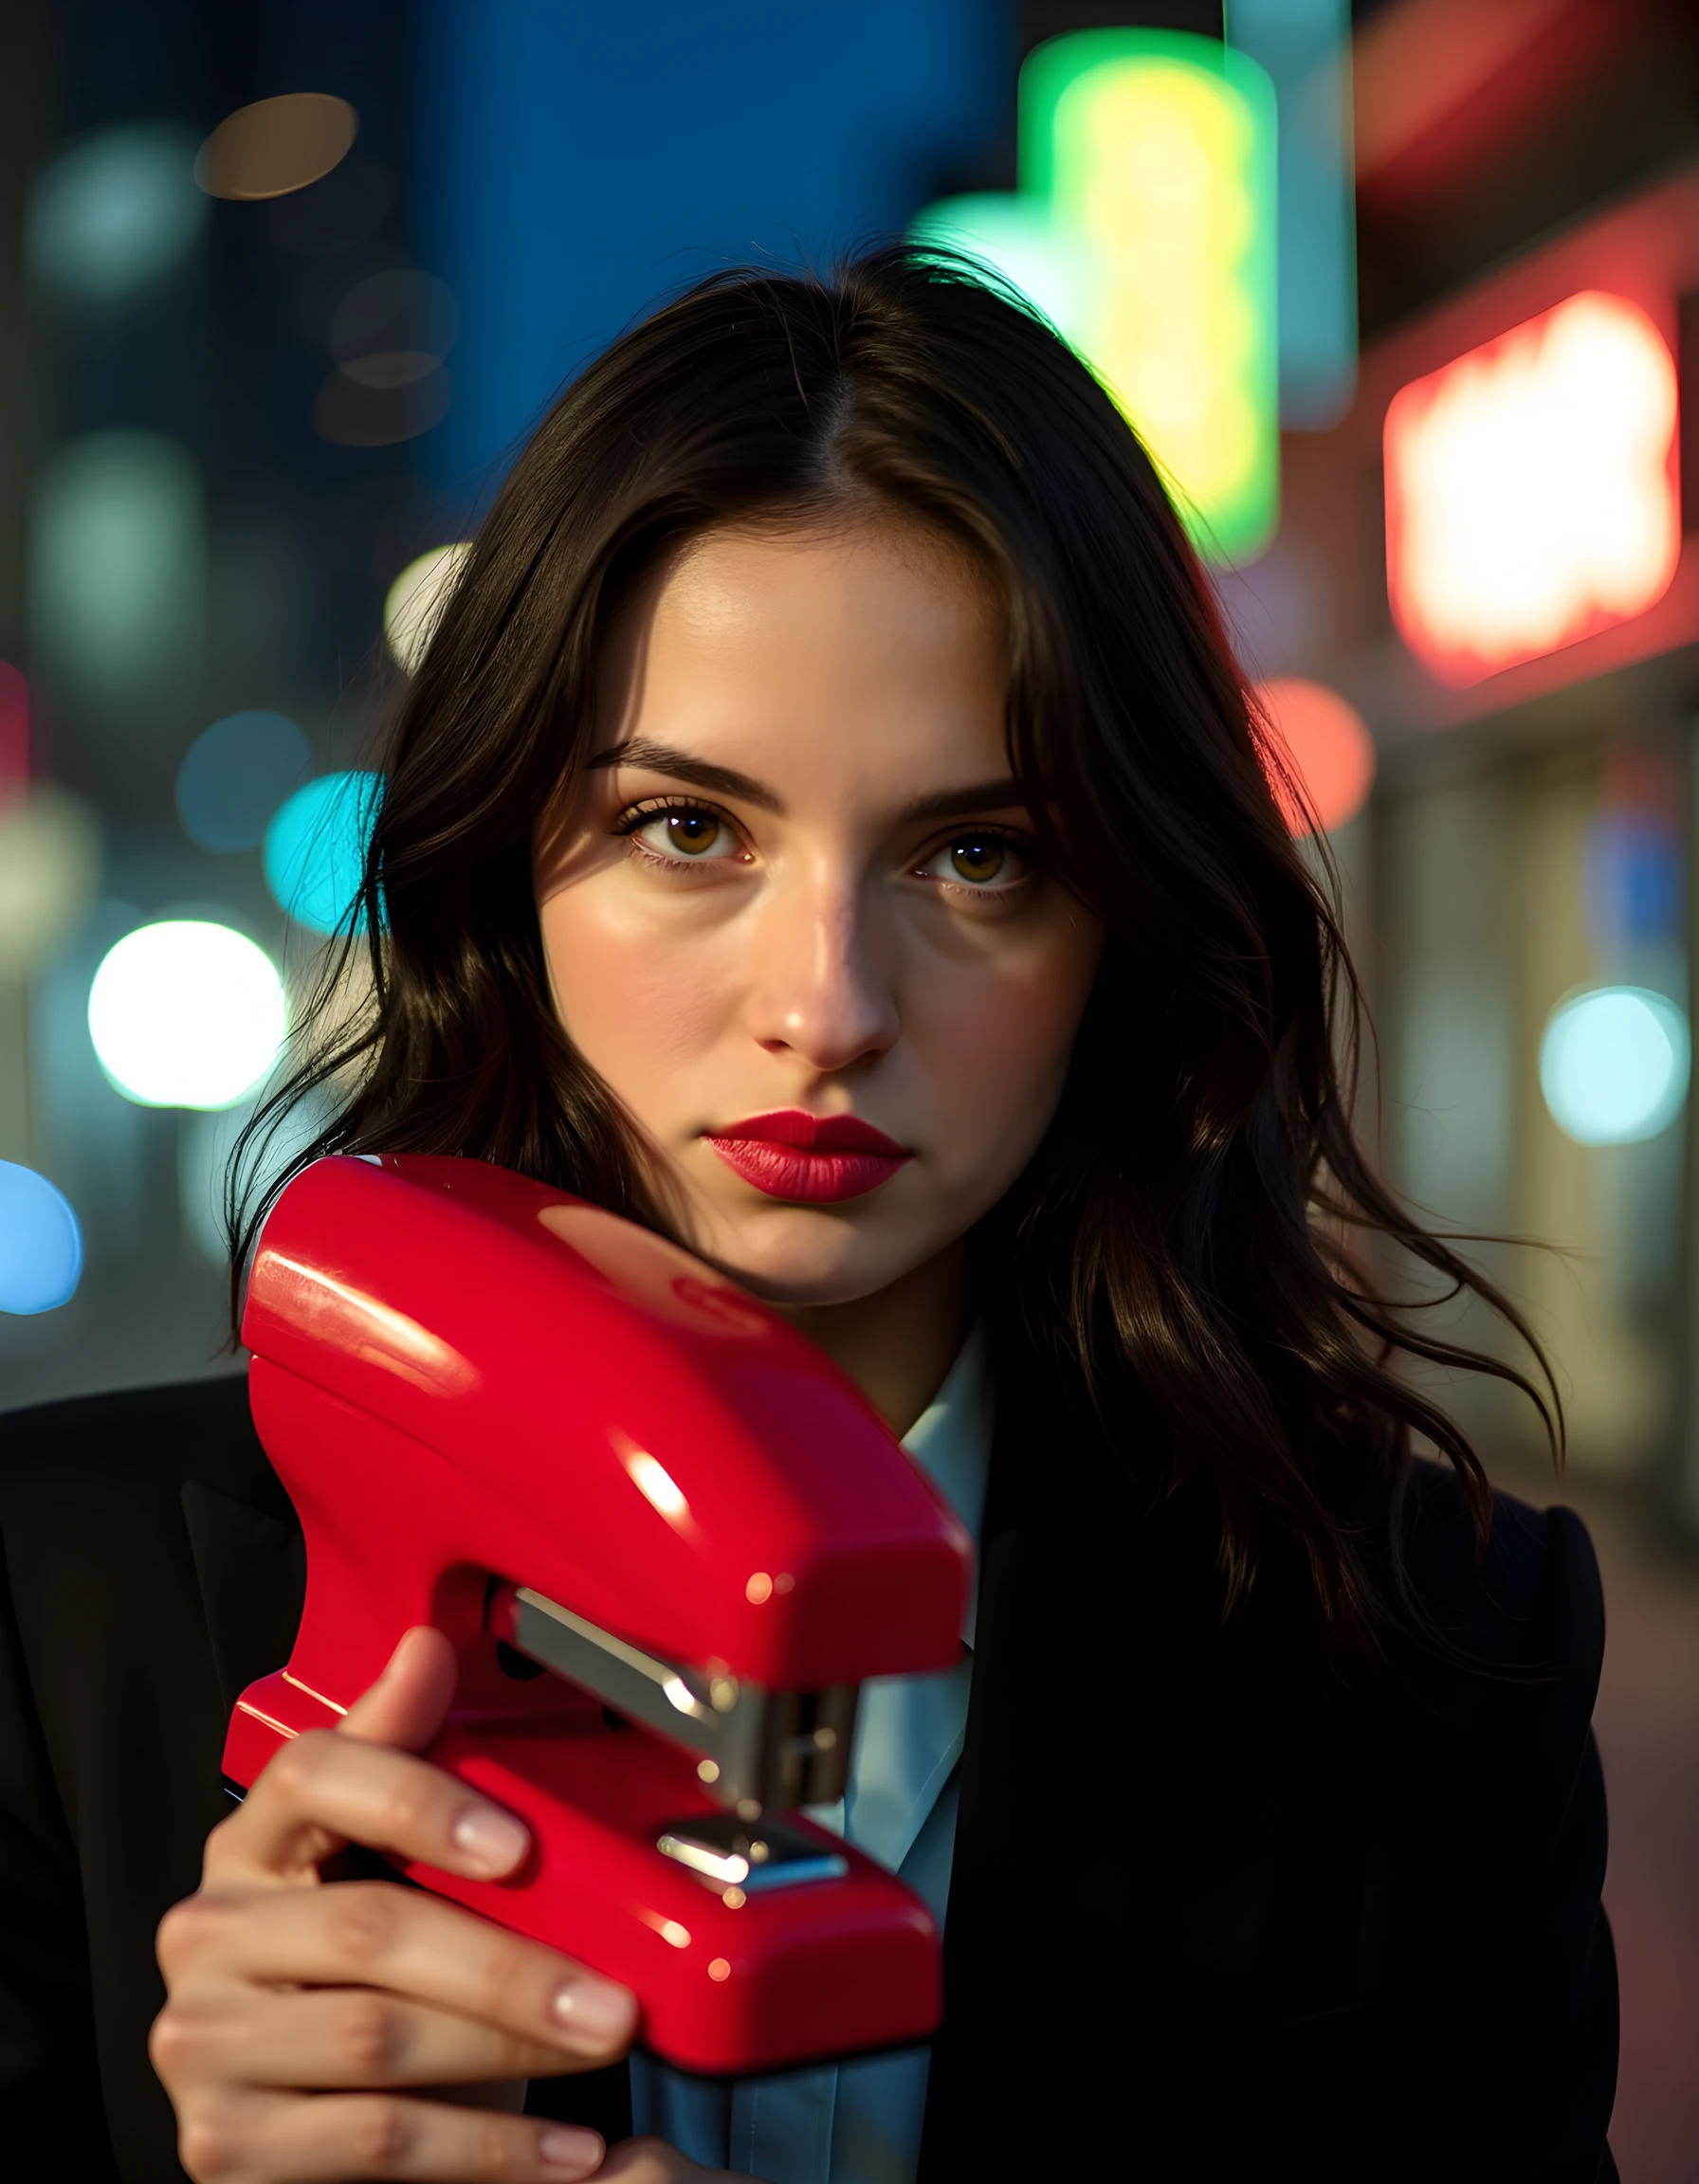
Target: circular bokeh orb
point(116, 211)
point(416, 599)
point(276, 145)
point(315, 850)
point(1613, 1065)
point(394, 327)
point(41, 1243)
point(350, 414)
point(235, 775)
point(1328, 746)
point(185, 1014)
point(49, 871)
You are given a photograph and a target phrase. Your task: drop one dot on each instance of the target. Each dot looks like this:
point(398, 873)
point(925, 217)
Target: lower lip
point(807, 1178)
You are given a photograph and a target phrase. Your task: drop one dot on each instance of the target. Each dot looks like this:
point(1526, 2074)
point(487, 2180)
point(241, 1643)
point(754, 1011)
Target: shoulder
point(114, 1451)
point(1495, 1680)
point(151, 1567)
point(137, 1530)
point(1527, 1597)
point(128, 1421)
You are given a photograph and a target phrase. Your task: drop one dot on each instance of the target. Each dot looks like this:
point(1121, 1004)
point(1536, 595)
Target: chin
point(794, 1255)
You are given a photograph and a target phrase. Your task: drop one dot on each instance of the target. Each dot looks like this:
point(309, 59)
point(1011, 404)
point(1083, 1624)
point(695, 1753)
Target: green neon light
point(1157, 150)
point(1144, 230)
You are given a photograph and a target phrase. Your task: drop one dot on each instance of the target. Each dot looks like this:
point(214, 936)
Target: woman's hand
point(652, 2161)
point(300, 2014)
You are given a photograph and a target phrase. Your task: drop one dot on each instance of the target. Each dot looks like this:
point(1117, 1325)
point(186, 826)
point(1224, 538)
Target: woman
point(831, 721)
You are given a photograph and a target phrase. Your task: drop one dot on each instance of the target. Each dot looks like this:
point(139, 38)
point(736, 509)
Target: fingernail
point(490, 1841)
point(573, 2153)
point(593, 2008)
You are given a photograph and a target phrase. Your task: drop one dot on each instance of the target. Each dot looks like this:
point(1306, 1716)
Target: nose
point(822, 986)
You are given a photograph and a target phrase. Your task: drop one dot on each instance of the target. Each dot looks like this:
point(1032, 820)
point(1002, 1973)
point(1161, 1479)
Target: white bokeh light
point(50, 870)
point(185, 1014)
point(1613, 1065)
point(415, 601)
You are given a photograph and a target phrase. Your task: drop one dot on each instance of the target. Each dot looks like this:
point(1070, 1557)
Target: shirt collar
point(951, 1441)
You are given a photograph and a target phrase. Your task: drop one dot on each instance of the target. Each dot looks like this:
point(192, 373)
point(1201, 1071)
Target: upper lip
point(814, 1132)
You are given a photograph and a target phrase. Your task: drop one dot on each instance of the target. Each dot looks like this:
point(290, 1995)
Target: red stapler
point(668, 1540)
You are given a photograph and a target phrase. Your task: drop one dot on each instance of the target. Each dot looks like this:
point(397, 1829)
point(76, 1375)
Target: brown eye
point(977, 858)
point(993, 865)
point(685, 834)
point(692, 832)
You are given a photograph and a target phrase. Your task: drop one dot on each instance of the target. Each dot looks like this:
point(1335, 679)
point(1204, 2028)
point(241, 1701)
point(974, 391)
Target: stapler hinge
point(758, 1749)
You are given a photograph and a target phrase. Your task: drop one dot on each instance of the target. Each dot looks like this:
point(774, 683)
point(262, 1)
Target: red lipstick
point(813, 1159)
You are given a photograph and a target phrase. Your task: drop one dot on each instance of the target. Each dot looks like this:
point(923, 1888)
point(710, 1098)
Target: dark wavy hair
point(1183, 1238)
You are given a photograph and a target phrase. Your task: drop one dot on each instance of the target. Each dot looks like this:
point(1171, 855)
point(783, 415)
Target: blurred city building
point(284, 284)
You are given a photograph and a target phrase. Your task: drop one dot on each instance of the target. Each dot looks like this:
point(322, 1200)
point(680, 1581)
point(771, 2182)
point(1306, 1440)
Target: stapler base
point(733, 1981)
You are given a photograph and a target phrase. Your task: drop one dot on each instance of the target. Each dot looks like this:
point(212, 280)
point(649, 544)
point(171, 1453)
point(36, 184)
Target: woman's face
point(798, 886)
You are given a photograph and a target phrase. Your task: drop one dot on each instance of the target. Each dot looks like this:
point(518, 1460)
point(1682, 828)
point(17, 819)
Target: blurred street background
point(1403, 296)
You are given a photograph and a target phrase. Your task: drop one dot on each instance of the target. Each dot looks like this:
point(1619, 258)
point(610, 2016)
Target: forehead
point(821, 650)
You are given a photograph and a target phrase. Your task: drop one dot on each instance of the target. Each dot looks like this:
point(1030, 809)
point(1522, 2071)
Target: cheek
point(996, 1045)
point(637, 1009)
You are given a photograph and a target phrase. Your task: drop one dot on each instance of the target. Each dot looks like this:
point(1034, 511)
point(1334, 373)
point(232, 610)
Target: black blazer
point(1215, 1911)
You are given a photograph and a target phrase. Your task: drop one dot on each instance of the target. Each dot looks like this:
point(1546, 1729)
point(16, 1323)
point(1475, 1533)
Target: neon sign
point(1156, 150)
point(1532, 489)
point(1144, 230)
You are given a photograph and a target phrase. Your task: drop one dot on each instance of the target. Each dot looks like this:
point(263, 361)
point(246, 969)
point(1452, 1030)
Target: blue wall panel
point(573, 161)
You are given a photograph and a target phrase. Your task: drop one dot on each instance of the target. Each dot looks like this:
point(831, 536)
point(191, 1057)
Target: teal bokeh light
point(1305, 48)
point(41, 1243)
point(315, 850)
point(1613, 1065)
point(1016, 238)
point(118, 566)
point(115, 212)
point(235, 775)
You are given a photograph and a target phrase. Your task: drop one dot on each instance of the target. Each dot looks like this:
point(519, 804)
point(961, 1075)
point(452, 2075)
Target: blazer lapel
point(251, 1565)
point(1128, 1785)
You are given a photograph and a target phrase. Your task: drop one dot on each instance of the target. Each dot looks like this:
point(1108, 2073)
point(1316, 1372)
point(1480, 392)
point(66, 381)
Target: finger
point(335, 2038)
point(407, 1704)
point(339, 2137)
point(651, 2161)
point(323, 1789)
point(409, 1944)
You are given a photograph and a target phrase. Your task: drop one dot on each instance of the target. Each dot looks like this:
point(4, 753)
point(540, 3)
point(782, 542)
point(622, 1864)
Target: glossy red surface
point(825, 1969)
point(462, 1374)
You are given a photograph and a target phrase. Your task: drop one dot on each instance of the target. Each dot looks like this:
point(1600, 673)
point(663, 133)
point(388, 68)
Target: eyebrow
point(700, 773)
point(727, 781)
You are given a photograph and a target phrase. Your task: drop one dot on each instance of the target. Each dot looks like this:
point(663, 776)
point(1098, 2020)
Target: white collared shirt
point(858, 2122)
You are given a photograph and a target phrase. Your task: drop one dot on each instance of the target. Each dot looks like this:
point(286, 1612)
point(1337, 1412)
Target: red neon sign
point(1532, 489)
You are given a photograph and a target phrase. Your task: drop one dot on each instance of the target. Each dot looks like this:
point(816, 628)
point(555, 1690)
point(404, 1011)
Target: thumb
point(405, 1706)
